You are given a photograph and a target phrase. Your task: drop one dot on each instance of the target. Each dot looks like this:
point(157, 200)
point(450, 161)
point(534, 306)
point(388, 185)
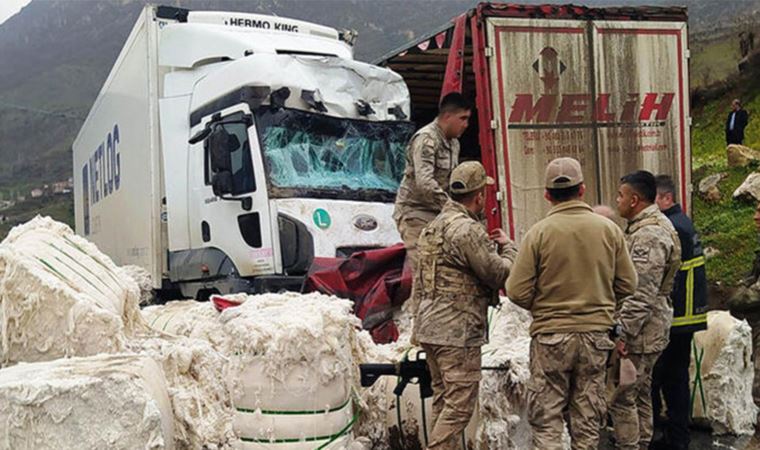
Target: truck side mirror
point(221, 183)
point(221, 144)
point(199, 136)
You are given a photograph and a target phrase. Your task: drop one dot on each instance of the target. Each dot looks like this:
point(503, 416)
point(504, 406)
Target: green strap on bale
point(342, 432)
point(330, 438)
point(273, 412)
point(79, 263)
point(99, 262)
point(697, 383)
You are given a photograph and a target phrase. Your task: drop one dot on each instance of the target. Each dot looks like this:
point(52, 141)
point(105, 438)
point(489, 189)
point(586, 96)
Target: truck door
point(611, 94)
point(541, 87)
point(223, 222)
point(641, 75)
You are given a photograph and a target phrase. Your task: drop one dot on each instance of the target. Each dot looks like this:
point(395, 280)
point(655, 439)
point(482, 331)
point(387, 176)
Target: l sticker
point(322, 219)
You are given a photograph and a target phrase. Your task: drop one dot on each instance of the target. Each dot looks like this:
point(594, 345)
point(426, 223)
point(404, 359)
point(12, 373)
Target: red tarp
point(376, 280)
point(222, 303)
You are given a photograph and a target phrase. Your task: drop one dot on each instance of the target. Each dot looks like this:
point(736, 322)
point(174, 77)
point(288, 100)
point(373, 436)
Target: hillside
point(62, 51)
point(726, 226)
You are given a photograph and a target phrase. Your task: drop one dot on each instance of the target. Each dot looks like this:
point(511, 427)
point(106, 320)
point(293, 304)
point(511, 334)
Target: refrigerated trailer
point(226, 150)
point(608, 86)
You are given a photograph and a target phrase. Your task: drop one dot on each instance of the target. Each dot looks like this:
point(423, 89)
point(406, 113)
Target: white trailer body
point(313, 141)
point(117, 166)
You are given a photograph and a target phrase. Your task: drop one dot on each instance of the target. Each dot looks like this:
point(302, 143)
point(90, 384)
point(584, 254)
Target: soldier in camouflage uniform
point(431, 155)
point(745, 304)
point(646, 316)
point(460, 270)
point(572, 269)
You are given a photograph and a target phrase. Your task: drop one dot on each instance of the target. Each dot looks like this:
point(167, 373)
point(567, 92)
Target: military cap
point(468, 177)
point(563, 173)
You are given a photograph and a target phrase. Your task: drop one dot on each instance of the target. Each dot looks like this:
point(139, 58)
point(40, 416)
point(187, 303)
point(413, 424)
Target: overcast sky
point(10, 7)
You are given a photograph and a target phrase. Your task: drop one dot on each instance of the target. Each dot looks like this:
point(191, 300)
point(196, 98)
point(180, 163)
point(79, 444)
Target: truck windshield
point(313, 155)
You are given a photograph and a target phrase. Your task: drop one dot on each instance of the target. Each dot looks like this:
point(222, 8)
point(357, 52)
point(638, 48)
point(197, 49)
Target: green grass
point(726, 226)
point(59, 207)
point(713, 61)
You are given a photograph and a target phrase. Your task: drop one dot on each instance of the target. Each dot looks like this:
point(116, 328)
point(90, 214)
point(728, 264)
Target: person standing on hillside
point(646, 316)
point(689, 296)
point(745, 304)
point(572, 269)
point(461, 268)
point(735, 123)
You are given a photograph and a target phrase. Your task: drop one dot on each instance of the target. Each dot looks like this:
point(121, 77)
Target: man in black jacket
point(735, 123)
point(671, 373)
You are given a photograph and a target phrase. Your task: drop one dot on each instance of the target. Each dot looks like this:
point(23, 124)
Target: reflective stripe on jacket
point(690, 286)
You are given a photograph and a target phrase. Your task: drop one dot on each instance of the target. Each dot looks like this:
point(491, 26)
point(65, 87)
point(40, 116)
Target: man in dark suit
point(735, 123)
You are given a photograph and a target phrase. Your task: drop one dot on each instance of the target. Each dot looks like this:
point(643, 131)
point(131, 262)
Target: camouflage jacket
point(430, 158)
point(656, 254)
point(459, 274)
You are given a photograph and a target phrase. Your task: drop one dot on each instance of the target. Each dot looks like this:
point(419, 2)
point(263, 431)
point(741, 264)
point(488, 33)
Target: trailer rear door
point(610, 93)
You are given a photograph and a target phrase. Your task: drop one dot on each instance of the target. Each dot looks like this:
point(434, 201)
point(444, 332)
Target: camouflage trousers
point(455, 372)
point(410, 229)
point(567, 373)
point(631, 406)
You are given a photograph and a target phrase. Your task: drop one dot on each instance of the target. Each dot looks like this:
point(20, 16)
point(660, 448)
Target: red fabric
point(485, 114)
point(376, 280)
point(452, 80)
point(221, 303)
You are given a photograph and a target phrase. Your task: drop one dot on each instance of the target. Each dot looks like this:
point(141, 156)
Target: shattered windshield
point(321, 156)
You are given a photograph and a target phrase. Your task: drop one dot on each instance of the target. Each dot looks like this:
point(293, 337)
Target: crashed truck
point(607, 86)
point(243, 151)
point(226, 150)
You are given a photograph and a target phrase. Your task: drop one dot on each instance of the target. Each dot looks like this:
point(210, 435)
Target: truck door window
point(243, 180)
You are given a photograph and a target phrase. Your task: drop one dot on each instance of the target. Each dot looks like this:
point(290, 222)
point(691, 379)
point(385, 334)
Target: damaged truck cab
point(227, 150)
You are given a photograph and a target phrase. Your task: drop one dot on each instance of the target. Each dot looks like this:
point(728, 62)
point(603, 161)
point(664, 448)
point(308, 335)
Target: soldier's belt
point(459, 289)
point(454, 279)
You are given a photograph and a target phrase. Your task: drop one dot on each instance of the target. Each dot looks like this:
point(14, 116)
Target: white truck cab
point(227, 150)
